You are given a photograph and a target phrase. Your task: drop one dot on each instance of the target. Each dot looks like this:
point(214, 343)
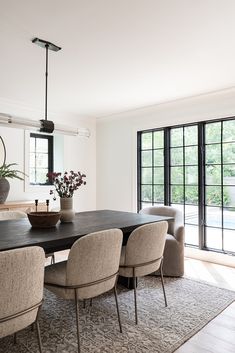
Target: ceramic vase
point(4, 189)
point(66, 209)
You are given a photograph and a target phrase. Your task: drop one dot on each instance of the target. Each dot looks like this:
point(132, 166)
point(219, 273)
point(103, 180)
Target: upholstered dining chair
point(143, 254)
point(11, 215)
point(174, 248)
point(21, 290)
point(91, 270)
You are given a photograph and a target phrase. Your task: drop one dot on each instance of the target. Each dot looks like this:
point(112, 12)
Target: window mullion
point(167, 166)
point(201, 185)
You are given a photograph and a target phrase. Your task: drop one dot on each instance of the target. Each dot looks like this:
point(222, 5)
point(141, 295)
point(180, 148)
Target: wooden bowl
point(43, 219)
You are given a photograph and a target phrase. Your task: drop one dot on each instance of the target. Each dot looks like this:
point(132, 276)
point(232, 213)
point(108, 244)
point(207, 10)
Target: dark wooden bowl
point(43, 219)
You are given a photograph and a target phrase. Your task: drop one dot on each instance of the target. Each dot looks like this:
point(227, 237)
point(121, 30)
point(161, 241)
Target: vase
point(4, 189)
point(66, 209)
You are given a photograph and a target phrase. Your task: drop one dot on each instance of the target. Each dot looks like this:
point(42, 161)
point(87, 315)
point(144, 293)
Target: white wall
point(79, 154)
point(117, 143)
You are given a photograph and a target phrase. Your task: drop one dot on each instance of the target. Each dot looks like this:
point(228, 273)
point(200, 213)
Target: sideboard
point(24, 206)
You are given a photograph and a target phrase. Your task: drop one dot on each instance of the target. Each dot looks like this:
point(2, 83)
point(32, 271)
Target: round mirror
point(2, 152)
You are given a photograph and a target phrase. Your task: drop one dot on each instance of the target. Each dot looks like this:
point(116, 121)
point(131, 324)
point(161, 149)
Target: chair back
point(8, 215)
point(21, 289)
point(145, 246)
point(93, 263)
point(167, 211)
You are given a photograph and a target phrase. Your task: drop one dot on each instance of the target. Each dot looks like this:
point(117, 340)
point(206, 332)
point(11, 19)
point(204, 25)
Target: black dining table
point(19, 233)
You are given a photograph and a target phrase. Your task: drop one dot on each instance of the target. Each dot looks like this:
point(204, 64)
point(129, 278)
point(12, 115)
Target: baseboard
point(210, 256)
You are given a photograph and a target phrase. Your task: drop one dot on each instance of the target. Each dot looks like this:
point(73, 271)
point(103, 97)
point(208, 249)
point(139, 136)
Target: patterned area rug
point(191, 305)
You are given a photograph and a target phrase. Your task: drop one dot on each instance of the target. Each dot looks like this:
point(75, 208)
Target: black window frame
point(50, 140)
point(201, 176)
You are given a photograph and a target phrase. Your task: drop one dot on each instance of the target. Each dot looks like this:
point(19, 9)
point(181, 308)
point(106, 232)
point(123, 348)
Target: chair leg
point(15, 338)
point(84, 303)
point(116, 300)
point(163, 288)
point(52, 259)
point(135, 297)
point(38, 330)
point(91, 302)
point(39, 336)
point(77, 319)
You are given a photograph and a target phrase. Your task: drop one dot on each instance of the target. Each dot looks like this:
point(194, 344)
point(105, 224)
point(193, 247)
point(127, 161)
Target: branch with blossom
point(65, 184)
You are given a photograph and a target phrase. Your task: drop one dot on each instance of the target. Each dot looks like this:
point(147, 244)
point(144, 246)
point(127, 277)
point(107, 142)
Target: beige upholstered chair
point(174, 248)
point(143, 254)
point(91, 269)
point(11, 215)
point(21, 289)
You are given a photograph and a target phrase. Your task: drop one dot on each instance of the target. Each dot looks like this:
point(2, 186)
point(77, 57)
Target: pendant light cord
point(46, 74)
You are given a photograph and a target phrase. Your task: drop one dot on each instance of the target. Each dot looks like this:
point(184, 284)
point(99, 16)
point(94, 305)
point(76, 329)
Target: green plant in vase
point(8, 172)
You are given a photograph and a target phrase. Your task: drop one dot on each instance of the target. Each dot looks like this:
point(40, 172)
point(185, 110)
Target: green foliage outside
point(183, 153)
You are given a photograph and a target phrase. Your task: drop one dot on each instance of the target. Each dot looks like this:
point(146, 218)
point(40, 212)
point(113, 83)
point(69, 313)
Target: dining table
point(19, 233)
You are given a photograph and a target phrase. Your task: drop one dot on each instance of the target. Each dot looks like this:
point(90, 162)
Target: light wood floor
point(219, 335)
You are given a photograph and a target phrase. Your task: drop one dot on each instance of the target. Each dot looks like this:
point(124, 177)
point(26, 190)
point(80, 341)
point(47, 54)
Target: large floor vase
point(66, 209)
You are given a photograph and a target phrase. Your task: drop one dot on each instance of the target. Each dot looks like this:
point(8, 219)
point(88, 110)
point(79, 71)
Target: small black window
point(41, 158)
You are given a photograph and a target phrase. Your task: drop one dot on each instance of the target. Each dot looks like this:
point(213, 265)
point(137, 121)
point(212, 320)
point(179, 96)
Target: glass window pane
point(191, 235)
point(191, 194)
point(177, 175)
point(213, 175)
point(176, 156)
point(41, 160)
point(229, 240)
point(229, 218)
point(176, 137)
point(32, 144)
point(190, 135)
point(159, 175)
point(158, 193)
point(191, 214)
point(158, 137)
point(213, 216)
point(145, 204)
point(213, 154)
point(32, 160)
point(177, 194)
point(213, 195)
point(213, 132)
point(42, 145)
point(146, 158)
point(229, 174)
point(158, 157)
point(146, 193)
point(229, 130)
point(191, 155)
point(32, 175)
point(146, 176)
point(41, 177)
point(178, 207)
point(146, 141)
point(229, 153)
point(229, 196)
point(214, 238)
point(191, 175)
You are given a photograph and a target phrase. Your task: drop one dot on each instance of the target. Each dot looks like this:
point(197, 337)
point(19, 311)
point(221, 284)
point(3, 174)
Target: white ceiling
point(116, 55)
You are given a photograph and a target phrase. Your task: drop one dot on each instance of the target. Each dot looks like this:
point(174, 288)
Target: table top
point(19, 233)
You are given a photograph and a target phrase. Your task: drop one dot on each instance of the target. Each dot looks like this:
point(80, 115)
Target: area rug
point(191, 305)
